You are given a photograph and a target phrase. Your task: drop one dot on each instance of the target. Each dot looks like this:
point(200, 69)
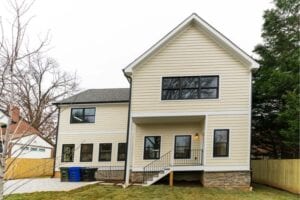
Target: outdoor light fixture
point(196, 136)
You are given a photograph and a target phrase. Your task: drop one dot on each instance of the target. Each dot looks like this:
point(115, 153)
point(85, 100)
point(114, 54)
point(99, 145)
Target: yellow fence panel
point(28, 168)
point(284, 174)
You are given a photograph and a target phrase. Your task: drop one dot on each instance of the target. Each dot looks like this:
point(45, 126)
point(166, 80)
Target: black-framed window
point(122, 149)
point(86, 153)
point(83, 115)
point(190, 87)
point(221, 143)
point(67, 154)
point(152, 147)
point(182, 147)
point(105, 151)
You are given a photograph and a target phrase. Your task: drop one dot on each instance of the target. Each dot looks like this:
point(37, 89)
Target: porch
point(166, 144)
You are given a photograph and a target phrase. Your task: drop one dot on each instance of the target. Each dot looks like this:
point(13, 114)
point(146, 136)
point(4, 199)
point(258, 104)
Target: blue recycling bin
point(74, 174)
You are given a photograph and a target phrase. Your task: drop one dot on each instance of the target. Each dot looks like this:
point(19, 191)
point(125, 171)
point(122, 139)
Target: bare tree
point(14, 48)
point(38, 84)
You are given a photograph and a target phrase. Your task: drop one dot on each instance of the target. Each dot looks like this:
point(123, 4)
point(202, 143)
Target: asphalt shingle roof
point(98, 96)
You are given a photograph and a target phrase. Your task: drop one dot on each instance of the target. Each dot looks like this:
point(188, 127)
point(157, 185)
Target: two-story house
point(188, 110)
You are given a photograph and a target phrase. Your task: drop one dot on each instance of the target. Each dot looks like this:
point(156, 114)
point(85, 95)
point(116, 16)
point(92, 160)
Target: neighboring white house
point(37, 147)
point(26, 141)
point(188, 111)
point(3, 118)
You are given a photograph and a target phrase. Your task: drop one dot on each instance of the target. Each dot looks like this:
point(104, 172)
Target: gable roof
point(194, 18)
point(113, 95)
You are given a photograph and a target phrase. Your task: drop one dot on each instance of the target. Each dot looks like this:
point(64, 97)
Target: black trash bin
point(88, 174)
point(64, 174)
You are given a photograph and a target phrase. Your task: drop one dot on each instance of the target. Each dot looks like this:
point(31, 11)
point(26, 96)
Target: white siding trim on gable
point(229, 45)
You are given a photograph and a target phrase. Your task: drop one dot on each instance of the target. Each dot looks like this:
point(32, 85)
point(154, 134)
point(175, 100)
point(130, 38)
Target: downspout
point(56, 138)
point(128, 128)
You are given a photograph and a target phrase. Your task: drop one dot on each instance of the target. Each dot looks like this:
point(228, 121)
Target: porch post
point(129, 155)
point(171, 178)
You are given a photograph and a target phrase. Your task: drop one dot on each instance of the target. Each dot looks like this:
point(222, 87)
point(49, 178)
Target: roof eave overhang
point(91, 102)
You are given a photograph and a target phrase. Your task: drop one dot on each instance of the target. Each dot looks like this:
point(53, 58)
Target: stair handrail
point(156, 165)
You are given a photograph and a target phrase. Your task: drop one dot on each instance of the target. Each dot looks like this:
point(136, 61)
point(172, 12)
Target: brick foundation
point(232, 179)
point(109, 175)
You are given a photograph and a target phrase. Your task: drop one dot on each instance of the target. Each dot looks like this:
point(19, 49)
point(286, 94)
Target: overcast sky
point(99, 38)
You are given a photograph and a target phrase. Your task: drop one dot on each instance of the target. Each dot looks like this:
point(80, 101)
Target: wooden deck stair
point(157, 177)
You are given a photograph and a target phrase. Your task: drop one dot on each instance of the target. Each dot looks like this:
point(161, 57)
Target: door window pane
point(152, 147)
point(182, 146)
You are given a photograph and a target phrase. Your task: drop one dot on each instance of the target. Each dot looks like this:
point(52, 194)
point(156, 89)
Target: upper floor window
point(190, 87)
point(221, 143)
point(83, 115)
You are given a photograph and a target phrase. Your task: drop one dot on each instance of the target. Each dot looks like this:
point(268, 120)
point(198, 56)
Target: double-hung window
point(182, 147)
point(67, 152)
point(86, 153)
point(83, 115)
point(221, 143)
point(105, 151)
point(152, 147)
point(190, 87)
point(122, 147)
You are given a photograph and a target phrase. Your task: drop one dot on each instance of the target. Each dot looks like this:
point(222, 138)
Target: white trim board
point(219, 37)
point(93, 133)
point(203, 168)
point(176, 114)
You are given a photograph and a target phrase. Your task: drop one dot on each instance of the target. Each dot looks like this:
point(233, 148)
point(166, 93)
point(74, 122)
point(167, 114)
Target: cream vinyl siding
point(239, 149)
point(109, 127)
point(191, 53)
point(110, 118)
point(167, 132)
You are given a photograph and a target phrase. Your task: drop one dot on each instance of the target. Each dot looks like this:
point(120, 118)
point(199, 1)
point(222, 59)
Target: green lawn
point(157, 192)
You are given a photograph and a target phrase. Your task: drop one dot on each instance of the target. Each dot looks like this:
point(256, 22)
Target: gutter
point(56, 138)
point(128, 127)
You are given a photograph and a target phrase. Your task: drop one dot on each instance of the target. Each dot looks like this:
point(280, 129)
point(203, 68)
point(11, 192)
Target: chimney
point(15, 114)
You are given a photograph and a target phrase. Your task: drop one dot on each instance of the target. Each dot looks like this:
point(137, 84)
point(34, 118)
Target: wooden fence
point(28, 168)
point(283, 174)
